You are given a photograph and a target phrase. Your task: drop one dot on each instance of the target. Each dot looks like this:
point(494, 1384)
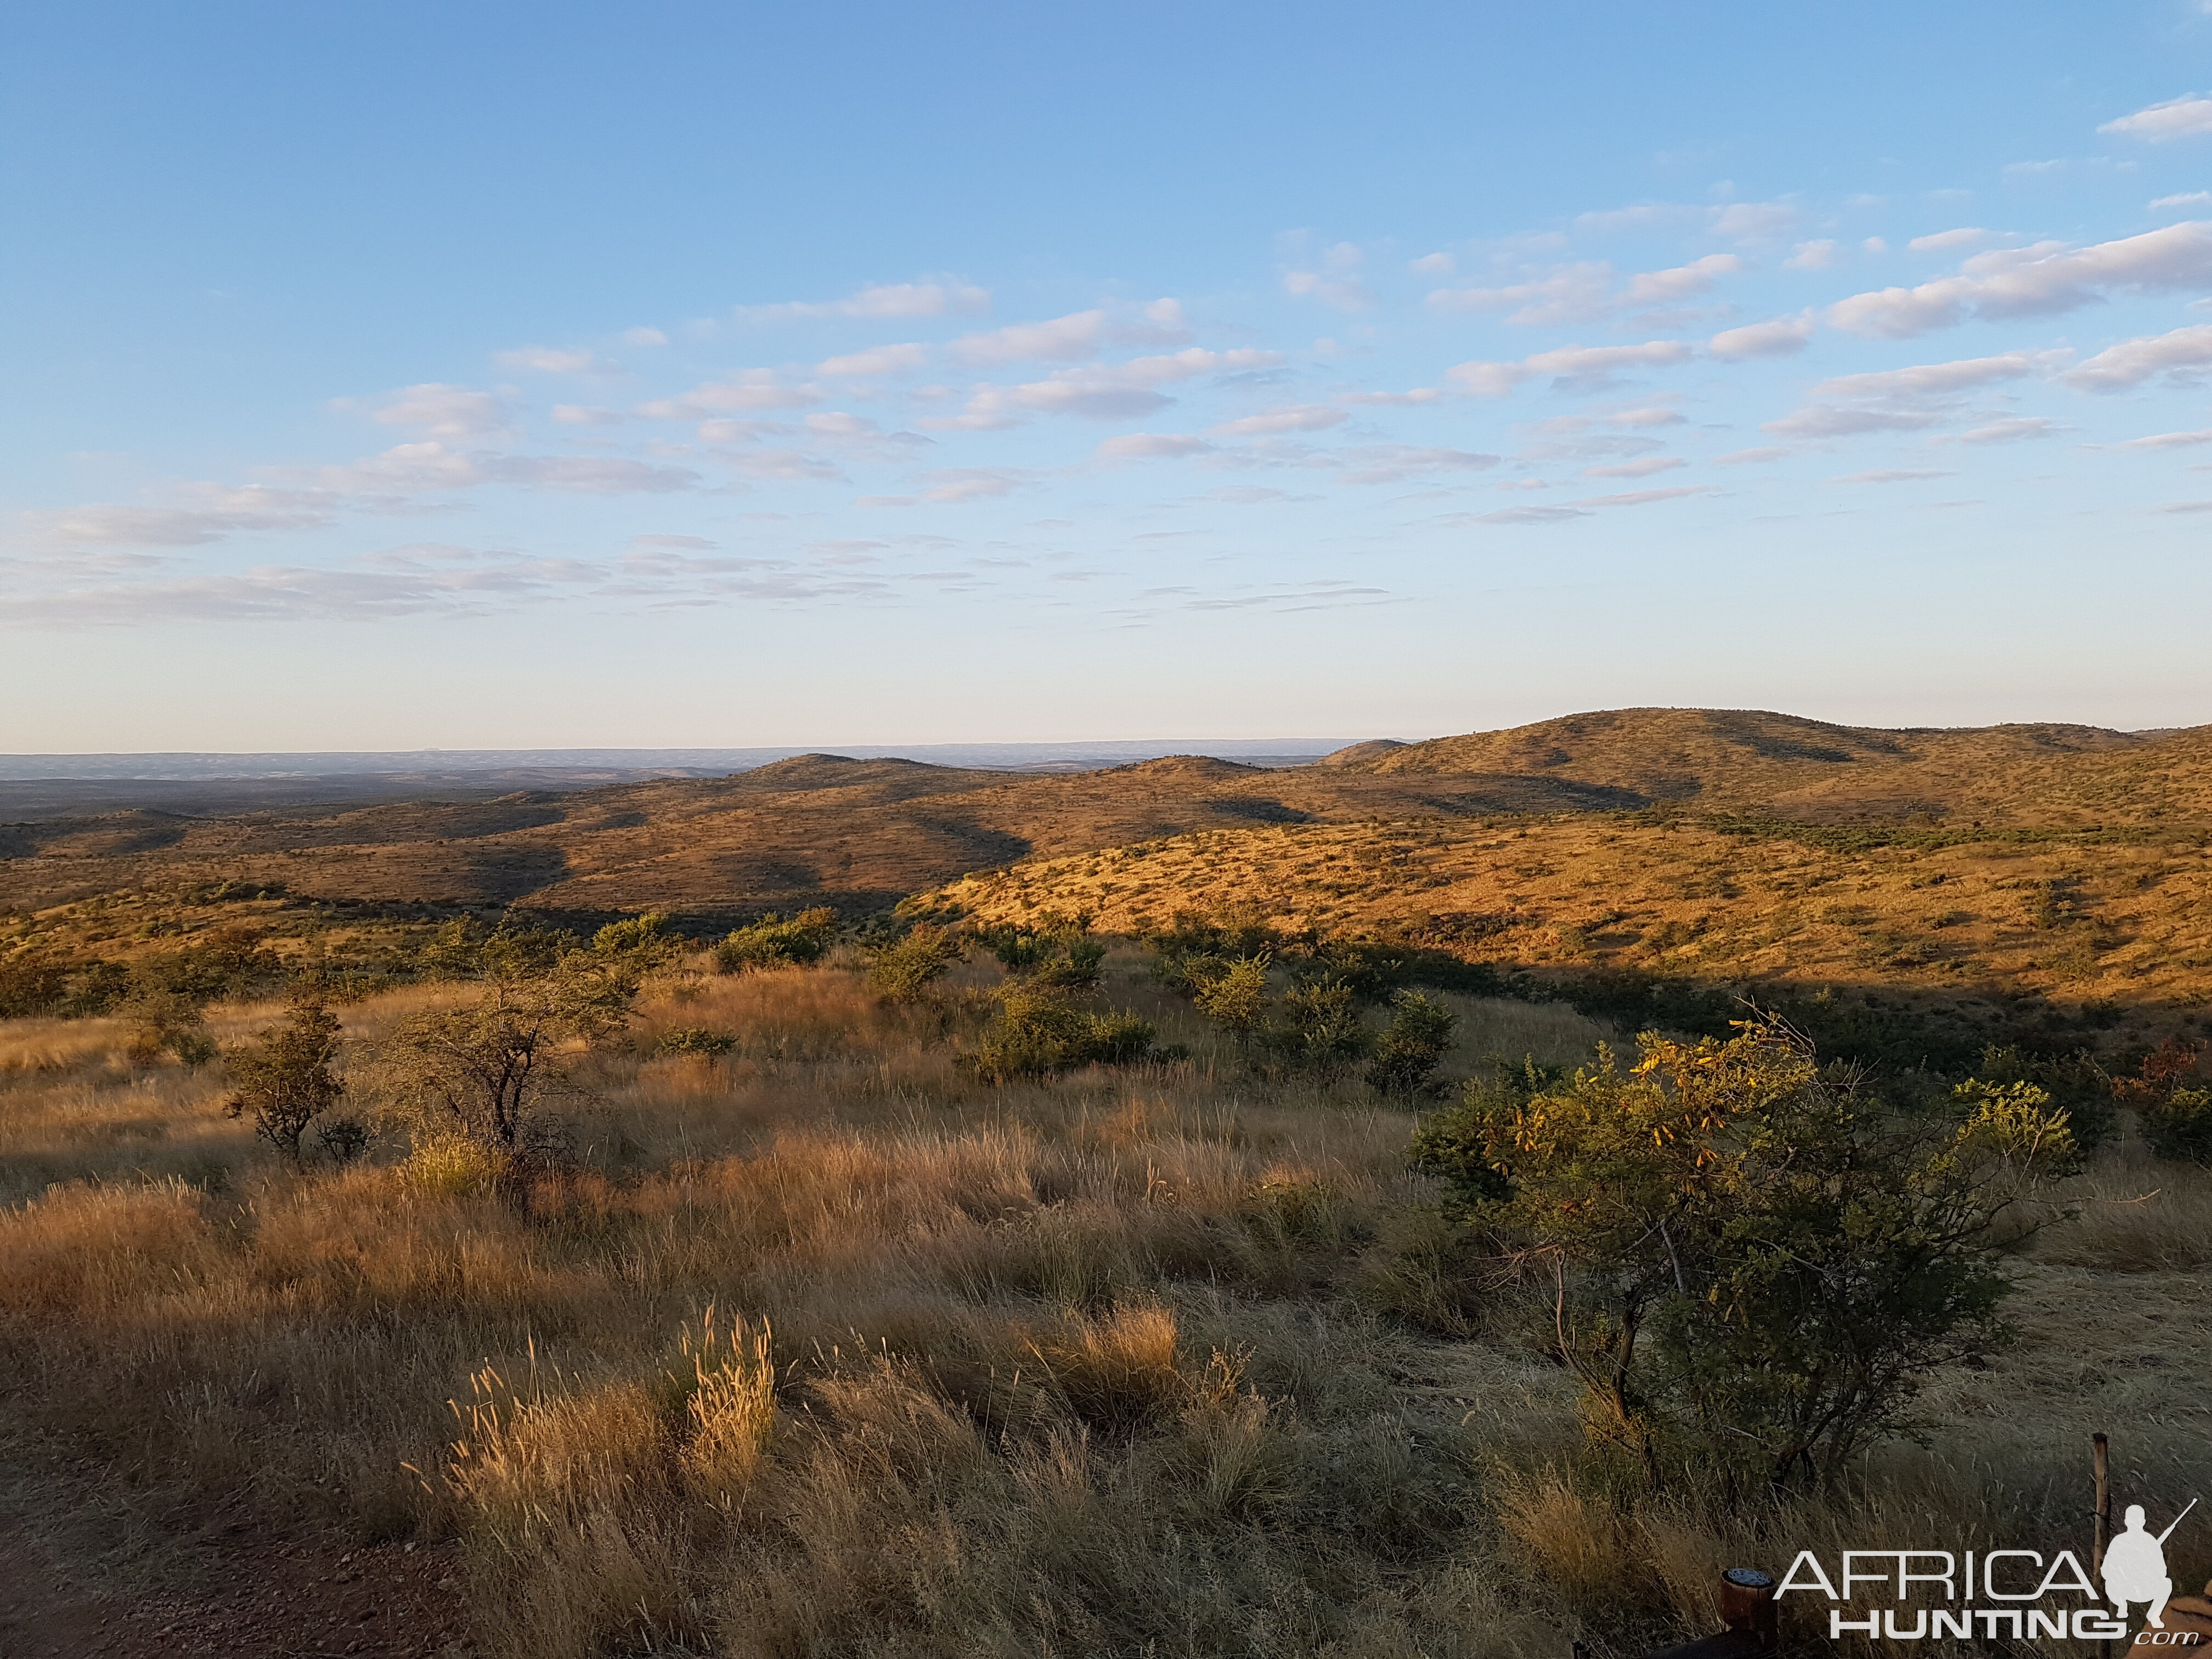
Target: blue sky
point(412, 375)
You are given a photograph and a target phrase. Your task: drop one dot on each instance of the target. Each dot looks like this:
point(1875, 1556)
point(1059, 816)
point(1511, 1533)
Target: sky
point(561, 375)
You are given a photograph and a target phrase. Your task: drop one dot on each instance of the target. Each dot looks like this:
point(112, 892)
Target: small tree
point(903, 971)
point(1752, 1269)
point(167, 1023)
point(773, 942)
point(1316, 1027)
point(1234, 993)
point(481, 1070)
point(1039, 1031)
point(1412, 1046)
point(284, 1077)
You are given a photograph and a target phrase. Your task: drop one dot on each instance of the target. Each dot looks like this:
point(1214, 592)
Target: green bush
point(904, 970)
point(1412, 1046)
point(1316, 1027)
point(1751, 1269)
point(32, 985)
point(695, 1040)
point(1038, 1032)
point(773, 942)
point(2180, 1126)
point(167, 1023)
point(284, 1077)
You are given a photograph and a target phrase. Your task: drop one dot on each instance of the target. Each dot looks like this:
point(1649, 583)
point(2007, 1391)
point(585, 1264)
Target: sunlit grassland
point(1147, 1361)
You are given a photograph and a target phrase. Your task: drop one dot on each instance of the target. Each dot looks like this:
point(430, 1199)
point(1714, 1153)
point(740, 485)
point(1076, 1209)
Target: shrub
point(1316, 1027)
point(1412, 1046)
point(1751, 1269)
point(481, 1070)
point(284, 1078)
point(231, 962)
point(1233, 993)
point(1038, 1032)
point(773, 942)
point(30, 986)
point(167, 1023)
point(2076, 1083)
point(645, 942)
point(695, 1040)
point(2180, 1126)
point(904, 970)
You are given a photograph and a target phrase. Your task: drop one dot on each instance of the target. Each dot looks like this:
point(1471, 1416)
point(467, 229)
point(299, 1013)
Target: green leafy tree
point(904, 970)
point(284, 1078)
point(774, 942)
point(1233, 994)
point(1315, 1027)
point(1751, 1268)
point(1039, 1031)
point(1412, 1046)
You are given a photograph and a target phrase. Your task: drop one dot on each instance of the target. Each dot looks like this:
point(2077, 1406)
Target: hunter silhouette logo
point(2135, 1566)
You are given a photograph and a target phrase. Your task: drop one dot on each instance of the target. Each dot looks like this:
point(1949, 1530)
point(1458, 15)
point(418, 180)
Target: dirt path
point(270, 1601)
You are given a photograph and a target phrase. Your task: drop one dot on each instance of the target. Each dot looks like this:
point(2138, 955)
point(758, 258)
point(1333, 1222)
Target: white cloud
point(1419, 394)
point(208, 513)
point(1811, 256)
point(2188, 198)
point(1433, 264)
point(403, 586)
point(1943, 241)
point(1106, 391)
point(953, 485)
point(1565, 293)
point(557, 360)
point(2167, 440)
point(2178, 118)
point(1889, 476)
point(1777, 338)
point(643, 337)
point(1151, 446)
point(1751, 457)
point(751, 388)
point(586, 415)
point(443, 412)
point(1337, 282)
point(1874, 245)
point(1065, 339)
point(2131, 362)
point(2038, 280)
point(1642, 469)
point(1656, 287)
point(1903, 399)
point(432, 465)
point(2012, 429)
point(876, 359)
point(1381, 464)
point(890, 300)
point(1572, 368)
point(1559, 513)
point(1755, 220)
point(1296, 417)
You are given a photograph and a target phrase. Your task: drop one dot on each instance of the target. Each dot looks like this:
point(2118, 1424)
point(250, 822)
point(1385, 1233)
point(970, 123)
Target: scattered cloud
point(1381, 464)
point(2177, 118)
point(1642, 469)
point(2012, 429)
point(1295, 417)
point(643, 337)
point(1151, 445)
point(1903, 399)
point(2188, 198)
point(1561, 511)
point(1433, 264)
point(1754, 221)
point(1698, 277)
point(444, 411)
point(1777, 338)
point(2177, 354)
point(1419, 394)
point(1752, 457)
point(2164, 440)
point(1944, 241)
point(1889, 476)
point(1586, 291)
point(205, 513)
point(2042, 280)
point(751, 388)
point(1337, 282)
point(557, 360)
point(1812, 256)
point(395, 585)
point(586, 415)
point(876, 361)
point(1570, 367)
point(1104, 392)
point(1066, 339)
point(886, 300)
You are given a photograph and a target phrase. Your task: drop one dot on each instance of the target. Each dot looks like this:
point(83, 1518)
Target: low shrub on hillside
point(1039, 1031)
point(774, 942)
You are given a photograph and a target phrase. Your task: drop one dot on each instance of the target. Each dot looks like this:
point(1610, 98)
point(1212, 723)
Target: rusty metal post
point(1748, 1605)
point(2100, 1465)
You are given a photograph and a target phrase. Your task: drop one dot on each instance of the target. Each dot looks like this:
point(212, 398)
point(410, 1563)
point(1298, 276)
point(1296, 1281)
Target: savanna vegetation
point(959, 1286)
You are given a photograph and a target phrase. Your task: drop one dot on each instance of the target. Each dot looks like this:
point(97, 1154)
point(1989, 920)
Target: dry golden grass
point(2130, 921)
point(825, 1348)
